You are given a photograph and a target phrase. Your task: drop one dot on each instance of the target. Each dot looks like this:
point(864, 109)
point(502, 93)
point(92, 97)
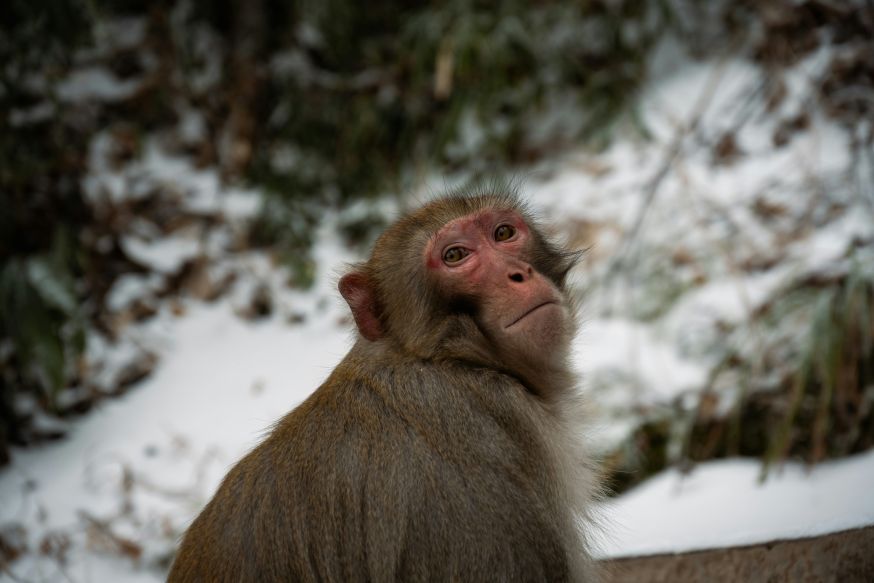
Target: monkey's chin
point(540, 333)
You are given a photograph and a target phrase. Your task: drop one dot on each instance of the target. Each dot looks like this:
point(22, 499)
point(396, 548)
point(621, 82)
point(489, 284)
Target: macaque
point(446, 445)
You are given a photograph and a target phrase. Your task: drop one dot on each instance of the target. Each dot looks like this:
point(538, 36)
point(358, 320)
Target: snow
point(130, 287)
point(147, 462)
point(95, 84)
point(164, 255)
point(723, 503)
point(112, 357)
point(221, 384)
point(25, 116)
point(730, 299)
point(623, 347)
point(199, 191)
point(223, 381)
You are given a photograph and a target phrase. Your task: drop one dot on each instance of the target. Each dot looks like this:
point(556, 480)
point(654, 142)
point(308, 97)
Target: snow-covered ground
point(723, 504)
point(107, 503)
point(144, 464)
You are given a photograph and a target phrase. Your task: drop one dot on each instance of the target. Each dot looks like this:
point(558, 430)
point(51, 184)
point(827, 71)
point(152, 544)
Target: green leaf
point(48, 353)
point(53, 284)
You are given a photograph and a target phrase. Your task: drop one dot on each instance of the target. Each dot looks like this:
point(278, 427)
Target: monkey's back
point(406, 473)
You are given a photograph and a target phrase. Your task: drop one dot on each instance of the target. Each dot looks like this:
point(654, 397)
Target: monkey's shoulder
point(362, 390)
point(444, 418)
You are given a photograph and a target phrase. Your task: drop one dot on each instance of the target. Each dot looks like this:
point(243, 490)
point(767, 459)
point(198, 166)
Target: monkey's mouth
point(529, 312)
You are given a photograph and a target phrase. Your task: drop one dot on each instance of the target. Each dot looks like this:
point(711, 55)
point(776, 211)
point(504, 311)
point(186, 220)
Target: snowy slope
point(107, 503)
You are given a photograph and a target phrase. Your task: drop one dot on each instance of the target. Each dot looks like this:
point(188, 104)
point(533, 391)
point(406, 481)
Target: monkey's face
point(483, 260)
point(468, 278)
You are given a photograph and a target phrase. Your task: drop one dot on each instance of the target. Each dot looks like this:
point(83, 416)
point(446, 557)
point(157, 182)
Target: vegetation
point(317, 103)
point(326, 103)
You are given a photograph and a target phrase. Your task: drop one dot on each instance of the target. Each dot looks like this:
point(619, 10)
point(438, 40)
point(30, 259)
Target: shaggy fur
point(423, 457)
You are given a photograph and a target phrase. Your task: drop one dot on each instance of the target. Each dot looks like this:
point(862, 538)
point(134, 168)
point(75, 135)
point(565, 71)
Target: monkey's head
point(467, 277)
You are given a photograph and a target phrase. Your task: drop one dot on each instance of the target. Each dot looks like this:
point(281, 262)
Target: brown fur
point(423, 457)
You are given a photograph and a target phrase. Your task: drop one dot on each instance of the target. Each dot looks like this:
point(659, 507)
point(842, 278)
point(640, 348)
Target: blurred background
point(181, 183)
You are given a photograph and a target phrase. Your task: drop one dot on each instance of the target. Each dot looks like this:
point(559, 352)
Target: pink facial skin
point(496, 272)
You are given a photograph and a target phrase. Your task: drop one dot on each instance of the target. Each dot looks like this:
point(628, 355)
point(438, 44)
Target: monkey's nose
point(520, 274)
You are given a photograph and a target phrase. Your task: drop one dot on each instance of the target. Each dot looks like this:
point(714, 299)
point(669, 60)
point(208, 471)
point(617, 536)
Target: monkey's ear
point(357, 290)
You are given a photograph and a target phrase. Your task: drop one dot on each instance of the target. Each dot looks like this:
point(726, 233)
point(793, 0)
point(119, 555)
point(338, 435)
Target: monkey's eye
point(504, 232)
point(454, 255)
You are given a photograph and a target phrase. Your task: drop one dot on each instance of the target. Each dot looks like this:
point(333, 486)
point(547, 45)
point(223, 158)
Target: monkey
point(445, 446)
